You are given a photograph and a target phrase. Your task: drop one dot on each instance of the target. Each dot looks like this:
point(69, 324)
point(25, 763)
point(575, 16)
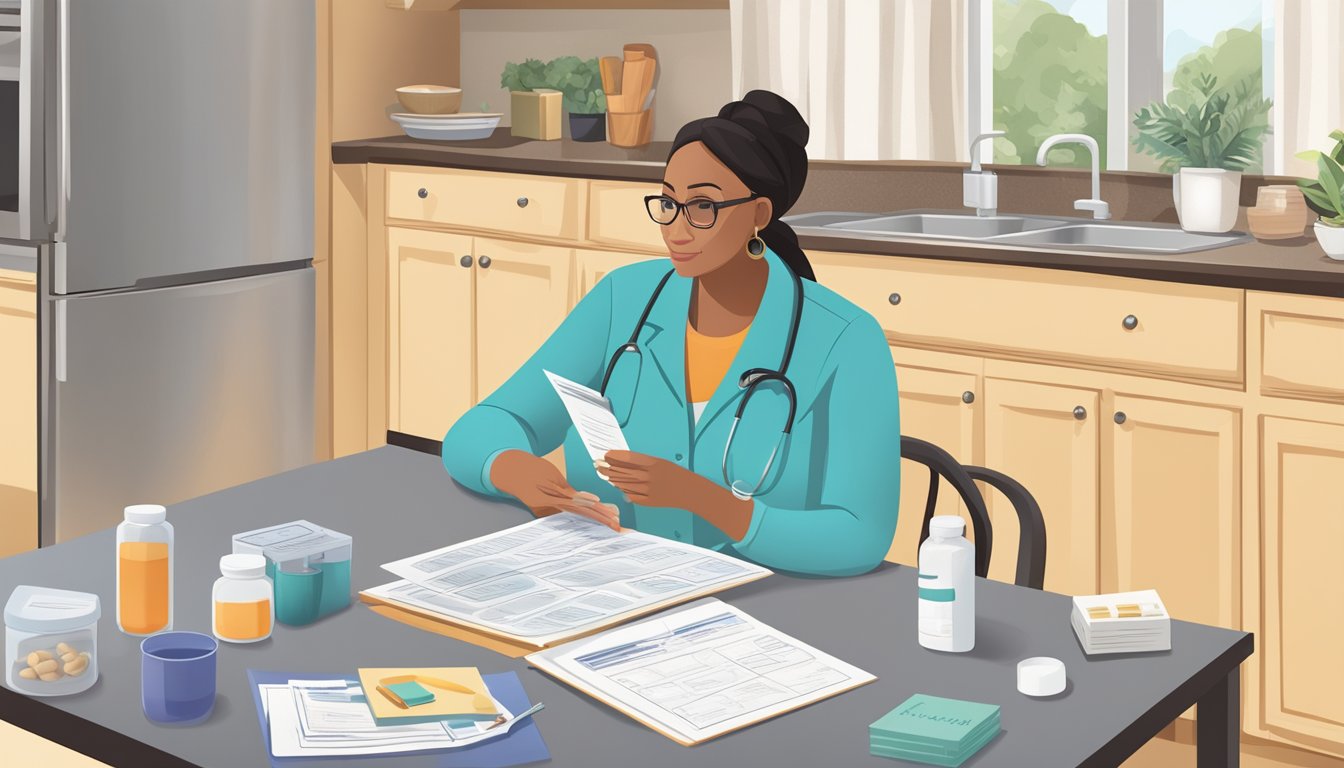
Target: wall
point(693, 54)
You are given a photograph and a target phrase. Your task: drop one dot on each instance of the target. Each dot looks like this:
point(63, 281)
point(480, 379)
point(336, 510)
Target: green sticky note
point(413, 693)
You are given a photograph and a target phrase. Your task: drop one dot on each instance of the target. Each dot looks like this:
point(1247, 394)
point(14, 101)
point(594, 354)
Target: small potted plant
point(1325, 195)
point(533, 102)
point(1205, 146)
point(580, 80)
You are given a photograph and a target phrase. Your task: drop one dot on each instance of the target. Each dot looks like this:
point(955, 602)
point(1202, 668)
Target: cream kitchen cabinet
point(591, 266)
point(18, 412)
point(522, 296)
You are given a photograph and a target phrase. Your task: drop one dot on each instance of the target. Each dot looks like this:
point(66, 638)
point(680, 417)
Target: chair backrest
point(1031, 524)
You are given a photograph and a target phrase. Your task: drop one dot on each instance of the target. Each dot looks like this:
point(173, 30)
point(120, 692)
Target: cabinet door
point(592, 266)
point(1036, 434)
point(431, 349)
point(934, 408)
point(1300, 664)
point(18, 412)
point(522, 296)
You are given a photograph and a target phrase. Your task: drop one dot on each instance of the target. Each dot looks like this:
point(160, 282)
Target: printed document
point(555, 578)
point(699, 671)
point(592, 416)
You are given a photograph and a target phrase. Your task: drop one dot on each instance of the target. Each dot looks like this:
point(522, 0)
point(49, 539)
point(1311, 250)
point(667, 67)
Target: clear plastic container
point(947, 587)
point(51, 641)
point(309, 567)
point(144, 570)
point(244, 600)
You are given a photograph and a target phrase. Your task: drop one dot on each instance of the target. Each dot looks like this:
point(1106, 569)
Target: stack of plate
point(461, 126)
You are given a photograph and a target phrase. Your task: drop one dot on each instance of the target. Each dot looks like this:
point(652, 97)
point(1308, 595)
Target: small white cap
point(146, 514)
point(242, 566)
point(946, 526)
point(1040, 676)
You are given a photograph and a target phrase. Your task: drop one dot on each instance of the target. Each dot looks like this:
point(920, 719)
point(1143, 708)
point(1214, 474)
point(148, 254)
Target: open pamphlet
point(557, 578)
point(699, 671)
point(1124, 622)
point(326, 718)
point(592, 416)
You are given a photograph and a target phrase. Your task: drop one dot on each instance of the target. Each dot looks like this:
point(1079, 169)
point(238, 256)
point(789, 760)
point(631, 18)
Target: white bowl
point(459, 127)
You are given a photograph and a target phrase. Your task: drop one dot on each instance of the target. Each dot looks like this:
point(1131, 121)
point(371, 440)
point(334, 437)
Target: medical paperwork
point(559, 577)
point(700, 671)
point(592, 416)
point(325, 718)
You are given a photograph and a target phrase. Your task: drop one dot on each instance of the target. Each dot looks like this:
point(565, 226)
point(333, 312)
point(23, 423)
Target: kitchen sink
point(1123, 237)
point(945, 225)
point(1042, 232)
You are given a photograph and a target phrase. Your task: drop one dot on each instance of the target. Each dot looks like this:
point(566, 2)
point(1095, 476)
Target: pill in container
point(51, 641)
point(244, 601)
point(309, 566)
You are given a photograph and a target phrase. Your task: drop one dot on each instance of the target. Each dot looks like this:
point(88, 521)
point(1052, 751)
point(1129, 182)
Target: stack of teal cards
point(927, 729)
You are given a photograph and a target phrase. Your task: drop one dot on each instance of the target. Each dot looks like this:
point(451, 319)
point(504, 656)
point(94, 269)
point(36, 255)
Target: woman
point(820, 498)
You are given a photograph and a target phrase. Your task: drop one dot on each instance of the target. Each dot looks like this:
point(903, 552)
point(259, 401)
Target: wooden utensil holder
point(630, 129)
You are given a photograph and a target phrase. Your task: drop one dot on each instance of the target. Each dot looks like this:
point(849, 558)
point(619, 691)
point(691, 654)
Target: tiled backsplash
point(694, 58)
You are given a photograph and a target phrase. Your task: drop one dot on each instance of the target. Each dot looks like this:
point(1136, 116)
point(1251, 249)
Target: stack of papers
point(929, 729)
point(700, 671)
point(1124, 622)
point(331, 717)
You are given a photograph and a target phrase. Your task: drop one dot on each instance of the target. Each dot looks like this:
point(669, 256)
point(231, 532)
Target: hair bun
point(772, 111)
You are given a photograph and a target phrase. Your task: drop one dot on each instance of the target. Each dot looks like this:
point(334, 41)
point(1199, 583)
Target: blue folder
point(520, 746)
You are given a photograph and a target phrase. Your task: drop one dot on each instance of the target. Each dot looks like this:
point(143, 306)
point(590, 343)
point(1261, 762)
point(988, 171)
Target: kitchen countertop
point(1289, 266)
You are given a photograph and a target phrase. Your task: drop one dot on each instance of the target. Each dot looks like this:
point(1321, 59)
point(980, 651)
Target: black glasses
point(701, 212)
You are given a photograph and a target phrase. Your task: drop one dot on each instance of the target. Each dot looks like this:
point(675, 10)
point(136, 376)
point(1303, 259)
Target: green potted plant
point(533, 101)
point(1325, 195)
point(580, 81)
point(1205, 147)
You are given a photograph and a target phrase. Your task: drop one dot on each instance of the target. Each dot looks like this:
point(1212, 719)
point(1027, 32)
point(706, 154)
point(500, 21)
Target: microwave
point(29, 141)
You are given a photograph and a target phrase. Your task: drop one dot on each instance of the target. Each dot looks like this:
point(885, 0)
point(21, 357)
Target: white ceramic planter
point(1331, 239)
point(1206, 198)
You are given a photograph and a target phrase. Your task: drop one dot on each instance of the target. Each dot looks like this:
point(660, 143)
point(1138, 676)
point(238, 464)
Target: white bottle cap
point(242, 566)
point(146, 514)
point(946, 526)
point(1040, 676)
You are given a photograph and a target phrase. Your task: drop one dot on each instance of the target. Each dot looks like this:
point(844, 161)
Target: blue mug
point(177, 677)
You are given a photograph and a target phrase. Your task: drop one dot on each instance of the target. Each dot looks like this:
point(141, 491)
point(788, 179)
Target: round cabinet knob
point(422, 193)
point(522, 202)
point(465, 261)
point(894, 298)
point(1120, 417)
point(1080, 413)
point(968, 396)
point(484, 261)
point(1130, 322)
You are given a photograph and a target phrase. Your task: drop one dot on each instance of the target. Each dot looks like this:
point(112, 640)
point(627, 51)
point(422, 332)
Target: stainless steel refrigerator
point(177, 337)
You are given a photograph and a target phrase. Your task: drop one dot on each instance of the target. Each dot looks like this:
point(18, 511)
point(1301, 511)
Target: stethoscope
point(748, 381)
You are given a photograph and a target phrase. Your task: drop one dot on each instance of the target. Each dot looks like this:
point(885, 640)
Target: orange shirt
point(707, 361)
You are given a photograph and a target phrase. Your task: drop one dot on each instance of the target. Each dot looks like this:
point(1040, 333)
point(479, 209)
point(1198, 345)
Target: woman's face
point(693, 175)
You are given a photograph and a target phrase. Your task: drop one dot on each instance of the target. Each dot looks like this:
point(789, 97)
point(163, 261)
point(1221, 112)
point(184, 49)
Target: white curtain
point(1308, 80)
point(874, 79)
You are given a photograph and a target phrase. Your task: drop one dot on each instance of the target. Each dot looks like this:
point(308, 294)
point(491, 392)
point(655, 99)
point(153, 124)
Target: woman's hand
point(539, 485)
point(654, 482)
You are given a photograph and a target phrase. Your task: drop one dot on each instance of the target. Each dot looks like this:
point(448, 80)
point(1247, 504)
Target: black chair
point(1031, 525)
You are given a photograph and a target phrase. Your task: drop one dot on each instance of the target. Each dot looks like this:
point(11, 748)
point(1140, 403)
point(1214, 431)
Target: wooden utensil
point(634, 85)
point(644, 48)
point(611, 74)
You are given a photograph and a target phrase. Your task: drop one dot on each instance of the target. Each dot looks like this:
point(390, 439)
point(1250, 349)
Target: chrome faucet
point(1099, 208)
point(980, 189)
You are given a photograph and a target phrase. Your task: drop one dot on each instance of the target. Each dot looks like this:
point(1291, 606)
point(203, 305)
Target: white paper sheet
point(700, 671)
point(559, 576)
point(592, 416)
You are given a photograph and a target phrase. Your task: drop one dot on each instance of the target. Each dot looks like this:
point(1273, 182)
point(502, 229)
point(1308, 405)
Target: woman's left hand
point(653, 482)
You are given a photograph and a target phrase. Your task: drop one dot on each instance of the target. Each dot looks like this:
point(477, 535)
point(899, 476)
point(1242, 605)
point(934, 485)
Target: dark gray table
point(397, 502)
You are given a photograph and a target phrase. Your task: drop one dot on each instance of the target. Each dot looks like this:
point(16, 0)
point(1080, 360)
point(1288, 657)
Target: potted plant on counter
point(534, 102)
point(1325, 195)
point(1205, 146)
point(580, 80)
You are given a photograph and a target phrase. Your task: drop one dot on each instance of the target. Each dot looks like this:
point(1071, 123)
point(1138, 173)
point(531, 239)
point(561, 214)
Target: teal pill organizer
point(413, 693)
point(309, 566)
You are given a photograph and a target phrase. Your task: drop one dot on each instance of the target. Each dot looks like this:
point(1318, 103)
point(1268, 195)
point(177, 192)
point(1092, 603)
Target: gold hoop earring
point(756, 246)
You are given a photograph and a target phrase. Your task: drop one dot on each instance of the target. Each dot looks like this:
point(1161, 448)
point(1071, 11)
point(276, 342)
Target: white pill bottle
point(947, 587)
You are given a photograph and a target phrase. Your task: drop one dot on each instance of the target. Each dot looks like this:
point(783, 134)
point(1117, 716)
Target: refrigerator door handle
point(59, 334)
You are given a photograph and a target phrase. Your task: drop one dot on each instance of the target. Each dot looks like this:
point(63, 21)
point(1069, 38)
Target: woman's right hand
point(543, 489)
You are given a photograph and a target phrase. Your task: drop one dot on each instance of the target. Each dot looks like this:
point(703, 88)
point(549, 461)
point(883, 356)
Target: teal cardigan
point(829, 503)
